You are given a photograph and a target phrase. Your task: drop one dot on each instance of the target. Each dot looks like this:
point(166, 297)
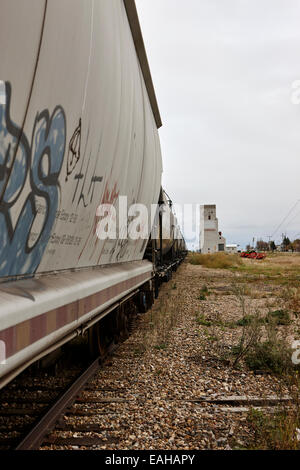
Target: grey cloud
point(223, 71)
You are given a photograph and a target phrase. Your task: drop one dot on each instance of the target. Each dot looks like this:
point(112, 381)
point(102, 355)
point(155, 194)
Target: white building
point(231, 249)
point(211, 240)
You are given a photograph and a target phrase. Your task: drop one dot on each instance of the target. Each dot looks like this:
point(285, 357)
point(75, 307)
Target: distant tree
point(272, 246)
point(286, 242)
point(296, 245)
point(248, 248)
point(262, 246)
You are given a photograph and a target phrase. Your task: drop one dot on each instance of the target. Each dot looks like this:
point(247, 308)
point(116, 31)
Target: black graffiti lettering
point(91, 191)
point(74, 151)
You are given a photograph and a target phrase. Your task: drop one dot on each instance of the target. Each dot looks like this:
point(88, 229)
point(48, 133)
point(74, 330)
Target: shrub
point(278, 317)
point(271, 356)
point(276, 432)
point(246, 320)
point(291, 296)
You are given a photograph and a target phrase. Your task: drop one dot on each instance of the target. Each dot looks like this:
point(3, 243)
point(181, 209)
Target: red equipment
point(253, 255)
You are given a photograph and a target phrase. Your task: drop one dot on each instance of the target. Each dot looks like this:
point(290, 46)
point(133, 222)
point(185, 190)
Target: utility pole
point(283, 236)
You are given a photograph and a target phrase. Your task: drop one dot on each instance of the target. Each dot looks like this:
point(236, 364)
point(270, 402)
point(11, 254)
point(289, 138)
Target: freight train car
point(78, 128)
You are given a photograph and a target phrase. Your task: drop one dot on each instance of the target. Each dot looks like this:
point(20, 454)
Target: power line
point(292, 220)
point(289, 213)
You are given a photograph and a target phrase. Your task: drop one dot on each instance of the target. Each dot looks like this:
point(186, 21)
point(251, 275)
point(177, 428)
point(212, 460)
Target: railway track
point(26, 400)
point(31, 406)
point(39, 401)
point(37, 435)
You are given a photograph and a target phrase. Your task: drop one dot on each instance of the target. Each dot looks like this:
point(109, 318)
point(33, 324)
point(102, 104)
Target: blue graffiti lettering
point(42, 160)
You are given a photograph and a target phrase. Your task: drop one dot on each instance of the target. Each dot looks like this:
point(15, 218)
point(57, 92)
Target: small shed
point(231, 249)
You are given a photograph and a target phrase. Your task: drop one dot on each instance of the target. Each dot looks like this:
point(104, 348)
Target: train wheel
point(150, 297)
point(122, 324)
point(142, 302)
point(156, 287)
point(97, 340)
point(168, 276)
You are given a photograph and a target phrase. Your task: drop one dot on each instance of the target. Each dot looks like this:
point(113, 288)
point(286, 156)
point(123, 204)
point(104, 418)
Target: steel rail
point(35, 437)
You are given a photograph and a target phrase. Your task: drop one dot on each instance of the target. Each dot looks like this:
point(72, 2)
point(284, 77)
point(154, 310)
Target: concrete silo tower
point(211, 240)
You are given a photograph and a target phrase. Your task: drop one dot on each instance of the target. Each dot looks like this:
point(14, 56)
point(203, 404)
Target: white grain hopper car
point(78, 127)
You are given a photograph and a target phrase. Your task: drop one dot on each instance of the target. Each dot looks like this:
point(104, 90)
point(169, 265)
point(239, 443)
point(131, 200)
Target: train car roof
point(136, 31)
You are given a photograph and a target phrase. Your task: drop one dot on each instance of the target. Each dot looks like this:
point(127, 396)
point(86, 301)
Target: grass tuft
point(277, 432)
point(216, 260)
point(201, 320)
point(270, 356)
point(278, 317)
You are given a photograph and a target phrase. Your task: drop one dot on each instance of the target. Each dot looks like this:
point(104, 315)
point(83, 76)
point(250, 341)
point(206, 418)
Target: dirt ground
point(166, 379)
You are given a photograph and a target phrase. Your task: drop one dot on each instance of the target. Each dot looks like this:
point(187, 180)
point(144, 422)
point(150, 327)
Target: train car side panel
point(90, 136)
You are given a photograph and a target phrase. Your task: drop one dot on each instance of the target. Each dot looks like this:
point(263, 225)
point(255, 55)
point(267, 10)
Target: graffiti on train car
point(85, 196)
point(110, 196)
point(74, 151)
point(85, 184)
point(29, 172)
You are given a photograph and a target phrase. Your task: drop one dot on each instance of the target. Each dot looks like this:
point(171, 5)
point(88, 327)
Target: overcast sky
point(223, 72)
